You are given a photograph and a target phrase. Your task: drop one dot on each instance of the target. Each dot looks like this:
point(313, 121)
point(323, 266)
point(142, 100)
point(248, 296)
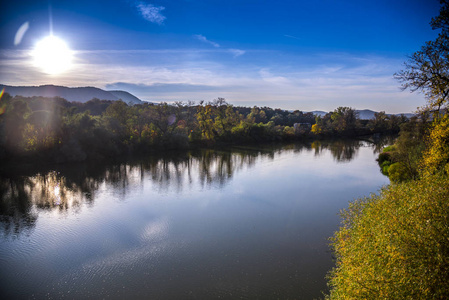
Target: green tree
point(379, 123)
point(409, 147)
point(115, 117)
point(187, 113)
point(343, 120)
point(15, 124)
point(217, 119)
point(118, 111)
point(205, 121)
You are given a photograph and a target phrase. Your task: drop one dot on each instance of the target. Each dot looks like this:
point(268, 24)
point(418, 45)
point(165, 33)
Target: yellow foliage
point(316, 129)
point(30, 134)
point(394, 245)
point(436, 156)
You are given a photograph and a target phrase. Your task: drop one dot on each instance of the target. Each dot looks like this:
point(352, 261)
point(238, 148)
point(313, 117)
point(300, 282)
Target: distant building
point(302, 127)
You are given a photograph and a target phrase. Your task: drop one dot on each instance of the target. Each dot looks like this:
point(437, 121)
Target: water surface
point(239, 223)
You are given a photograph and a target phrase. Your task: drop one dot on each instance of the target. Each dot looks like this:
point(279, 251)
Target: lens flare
point(20, 33)
point(2, 105)
point(171, 119)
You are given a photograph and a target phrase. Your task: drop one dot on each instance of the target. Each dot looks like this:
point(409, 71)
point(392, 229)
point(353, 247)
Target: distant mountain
point(126, 97)
point(408, 115)
point(367, 114)
point(364, 114)
point(319, 113)
point(78, 94)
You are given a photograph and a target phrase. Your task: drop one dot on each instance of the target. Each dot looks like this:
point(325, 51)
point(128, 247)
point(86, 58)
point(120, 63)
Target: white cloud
point(202, 38)
point(268, 77)
point(151, 12)
point(237, 52)
point(306, 82)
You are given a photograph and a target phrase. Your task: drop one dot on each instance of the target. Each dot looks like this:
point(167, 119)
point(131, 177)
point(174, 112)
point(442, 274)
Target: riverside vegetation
point(395, 245)
point(53, 129)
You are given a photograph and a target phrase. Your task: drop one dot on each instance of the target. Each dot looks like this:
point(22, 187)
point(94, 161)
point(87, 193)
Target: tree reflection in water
point(67, 187)
point(342, 151)
point(16, 206)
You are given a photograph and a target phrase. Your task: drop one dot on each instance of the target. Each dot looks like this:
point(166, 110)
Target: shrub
point(397, 172)
point(385, 160)
point(395, 245)
point(385, 167)
point(389, 148)
point(383, 157)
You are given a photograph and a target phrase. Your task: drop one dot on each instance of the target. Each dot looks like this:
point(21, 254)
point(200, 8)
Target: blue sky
point(307, 55)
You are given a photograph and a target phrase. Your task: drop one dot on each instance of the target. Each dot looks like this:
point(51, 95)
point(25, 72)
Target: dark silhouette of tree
point(427, 70)
point(15, 124)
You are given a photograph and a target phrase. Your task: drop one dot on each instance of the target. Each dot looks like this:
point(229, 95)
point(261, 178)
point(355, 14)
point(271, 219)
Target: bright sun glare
point(52, 55)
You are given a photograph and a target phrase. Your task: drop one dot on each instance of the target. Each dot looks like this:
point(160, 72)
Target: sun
point(52, 55)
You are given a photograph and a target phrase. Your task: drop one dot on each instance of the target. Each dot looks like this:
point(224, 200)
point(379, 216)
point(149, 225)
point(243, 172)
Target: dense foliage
point(396, 245)
point(436, 156)
point(58, 130)
point(400, 161)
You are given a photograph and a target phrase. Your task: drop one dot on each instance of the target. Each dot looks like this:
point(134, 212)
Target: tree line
point(58, 130)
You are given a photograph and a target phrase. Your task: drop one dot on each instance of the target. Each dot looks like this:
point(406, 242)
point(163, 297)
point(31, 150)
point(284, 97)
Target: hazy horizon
point(293, 55)
point(197, 102)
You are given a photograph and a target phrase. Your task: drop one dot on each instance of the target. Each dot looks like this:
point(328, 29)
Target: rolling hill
point(78, 94)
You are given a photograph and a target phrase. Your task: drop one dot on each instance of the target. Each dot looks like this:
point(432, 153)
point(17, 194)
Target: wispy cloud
point(321, 81)
point(160, 88)
point(291, 37)
point(268, 77)
point(237, 52)
point(202, 38)
point(151, 12)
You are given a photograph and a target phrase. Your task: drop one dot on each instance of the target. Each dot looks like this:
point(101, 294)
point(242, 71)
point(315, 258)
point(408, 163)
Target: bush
point(398, 172)
point(385, 167)
point(383, 157)
point(385, 160)
point(389, 148)
point(395, 245)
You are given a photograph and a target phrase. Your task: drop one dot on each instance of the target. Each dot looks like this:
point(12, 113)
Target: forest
point(53, 129)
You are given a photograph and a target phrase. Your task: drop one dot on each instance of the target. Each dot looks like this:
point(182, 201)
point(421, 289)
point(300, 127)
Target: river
point(244, 222)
